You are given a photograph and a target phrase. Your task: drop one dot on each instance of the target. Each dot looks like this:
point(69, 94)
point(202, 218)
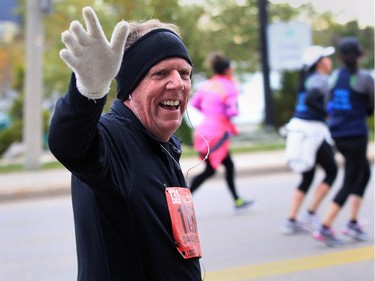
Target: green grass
point(187, 151)
point(20, 168)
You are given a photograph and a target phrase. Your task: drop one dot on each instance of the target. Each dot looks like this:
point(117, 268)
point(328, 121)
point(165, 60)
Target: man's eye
point(161, 73)
point(185, 74)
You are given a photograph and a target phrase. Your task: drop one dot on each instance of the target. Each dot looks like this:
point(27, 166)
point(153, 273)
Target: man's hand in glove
point(94, 60)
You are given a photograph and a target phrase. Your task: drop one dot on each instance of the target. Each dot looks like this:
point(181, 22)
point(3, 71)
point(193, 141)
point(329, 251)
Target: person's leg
point(319, 194)
point(300, 193)
point(356, 202)
point(353, 227)
point(325, 233)
point(351, 149)
point(229, 176)
point(208, 172)
point(291, 225)
point(333, 211)
point(297, 200)
point(326, 159)
point(240, 203)
point(363, 178)
point(310, 219)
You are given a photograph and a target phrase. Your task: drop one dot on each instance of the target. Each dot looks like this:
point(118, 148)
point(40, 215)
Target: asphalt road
point(251, 247)
point(37, 237)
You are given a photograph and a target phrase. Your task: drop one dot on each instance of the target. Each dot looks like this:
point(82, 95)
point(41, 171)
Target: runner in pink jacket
point(217, 100)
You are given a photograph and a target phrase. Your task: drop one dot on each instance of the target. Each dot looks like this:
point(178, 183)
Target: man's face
point(160, 99)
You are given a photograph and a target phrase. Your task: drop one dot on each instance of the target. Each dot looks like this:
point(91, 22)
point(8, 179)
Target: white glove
point(94, 60)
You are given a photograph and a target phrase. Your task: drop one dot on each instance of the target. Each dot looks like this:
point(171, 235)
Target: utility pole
point(263, 23)
point(32, 113)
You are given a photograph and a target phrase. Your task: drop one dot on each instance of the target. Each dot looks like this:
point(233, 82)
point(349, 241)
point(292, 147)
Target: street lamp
point(263, 22)
point(33, 87)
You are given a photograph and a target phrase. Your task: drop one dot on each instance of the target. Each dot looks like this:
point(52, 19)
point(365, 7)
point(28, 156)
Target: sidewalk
point(56, 182)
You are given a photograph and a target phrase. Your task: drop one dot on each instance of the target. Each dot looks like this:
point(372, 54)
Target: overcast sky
point(346, 10)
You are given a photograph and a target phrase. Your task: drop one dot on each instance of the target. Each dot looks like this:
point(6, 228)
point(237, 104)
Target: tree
point(230, 26)
point(325, 32)
point(5, 70)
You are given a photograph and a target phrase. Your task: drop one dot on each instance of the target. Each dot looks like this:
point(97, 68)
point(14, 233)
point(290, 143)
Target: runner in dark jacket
point(352, 100)
point(308, 143)
point(133, 213)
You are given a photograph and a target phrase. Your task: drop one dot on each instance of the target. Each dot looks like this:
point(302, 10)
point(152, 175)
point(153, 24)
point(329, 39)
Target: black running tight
point(210, 171)
point(357, 167)
point(325, 158)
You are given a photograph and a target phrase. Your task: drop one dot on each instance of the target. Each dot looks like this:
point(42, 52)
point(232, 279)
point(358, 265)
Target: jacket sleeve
point(370, 96)
point(196, 100)
point(315, 101)
point(74, 137)
point(231, 107)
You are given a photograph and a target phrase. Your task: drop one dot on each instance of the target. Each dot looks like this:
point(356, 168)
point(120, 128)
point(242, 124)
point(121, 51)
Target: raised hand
point(94, 60)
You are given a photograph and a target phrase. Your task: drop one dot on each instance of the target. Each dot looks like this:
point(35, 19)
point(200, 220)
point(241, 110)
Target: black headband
point(147, 51)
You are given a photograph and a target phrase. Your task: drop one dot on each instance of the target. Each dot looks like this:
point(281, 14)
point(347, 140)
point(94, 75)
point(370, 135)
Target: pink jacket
point(216, 99)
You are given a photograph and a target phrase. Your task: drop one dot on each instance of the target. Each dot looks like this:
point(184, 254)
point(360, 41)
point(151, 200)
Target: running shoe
point(242, 205)
point(310, 222)
point(292, 227)
point(354, 230)
point(328, 237)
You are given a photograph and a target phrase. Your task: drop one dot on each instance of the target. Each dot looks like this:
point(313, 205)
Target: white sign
point(287, 42)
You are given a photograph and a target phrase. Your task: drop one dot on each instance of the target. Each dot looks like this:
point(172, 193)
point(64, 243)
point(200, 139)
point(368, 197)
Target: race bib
point(184, 223)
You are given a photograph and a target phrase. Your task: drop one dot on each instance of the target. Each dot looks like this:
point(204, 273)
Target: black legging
point(210, 171)
point(357, 167)
point(325, 158)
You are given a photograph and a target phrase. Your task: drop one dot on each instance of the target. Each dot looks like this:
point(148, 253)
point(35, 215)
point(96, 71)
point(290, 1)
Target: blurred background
point(264, 39)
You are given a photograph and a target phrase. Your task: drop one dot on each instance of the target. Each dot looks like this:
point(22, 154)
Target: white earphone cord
point(208, 146)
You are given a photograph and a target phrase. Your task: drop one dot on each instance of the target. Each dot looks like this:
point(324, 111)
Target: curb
point(47, 183)
point(26, 194)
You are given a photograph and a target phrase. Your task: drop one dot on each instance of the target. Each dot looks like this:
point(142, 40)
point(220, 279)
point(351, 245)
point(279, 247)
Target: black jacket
point(123, 227)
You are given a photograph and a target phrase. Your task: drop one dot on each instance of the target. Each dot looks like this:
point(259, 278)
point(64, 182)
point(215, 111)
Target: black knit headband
point(147, 51)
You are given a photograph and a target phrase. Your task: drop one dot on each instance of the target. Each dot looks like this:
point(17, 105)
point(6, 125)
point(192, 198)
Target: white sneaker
point(292, 227)
point(310, 222)
point(327, 236)
point(355, 231)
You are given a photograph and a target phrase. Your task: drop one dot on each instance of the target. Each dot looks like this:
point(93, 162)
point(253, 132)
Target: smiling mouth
point(170, 104)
